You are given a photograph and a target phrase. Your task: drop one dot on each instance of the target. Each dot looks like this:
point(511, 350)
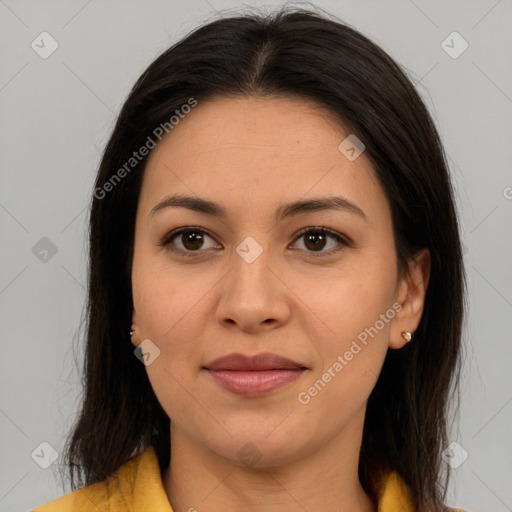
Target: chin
point(260, 450)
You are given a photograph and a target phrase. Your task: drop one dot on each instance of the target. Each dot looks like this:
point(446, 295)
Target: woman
point(276, 287)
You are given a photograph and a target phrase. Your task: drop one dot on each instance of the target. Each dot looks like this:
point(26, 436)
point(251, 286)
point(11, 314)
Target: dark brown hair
point(309, 54)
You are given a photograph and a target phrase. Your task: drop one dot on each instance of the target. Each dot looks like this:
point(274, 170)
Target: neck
point(197, 479)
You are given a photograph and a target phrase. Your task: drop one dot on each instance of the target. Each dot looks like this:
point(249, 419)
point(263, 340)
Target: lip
point(254, 375)
point(264, 361)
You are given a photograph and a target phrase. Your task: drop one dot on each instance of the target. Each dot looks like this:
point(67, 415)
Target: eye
point(188, 240)
point(315, 240)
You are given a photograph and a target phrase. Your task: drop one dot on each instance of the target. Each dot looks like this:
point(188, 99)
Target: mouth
point(254, 376)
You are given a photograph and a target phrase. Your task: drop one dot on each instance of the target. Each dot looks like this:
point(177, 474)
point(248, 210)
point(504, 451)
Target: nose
point(253, 296)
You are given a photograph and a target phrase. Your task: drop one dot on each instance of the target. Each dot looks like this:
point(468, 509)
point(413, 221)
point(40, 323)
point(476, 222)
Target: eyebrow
point(284, 211)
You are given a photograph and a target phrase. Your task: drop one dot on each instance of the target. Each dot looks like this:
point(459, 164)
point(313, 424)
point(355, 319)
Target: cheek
point(179, 396)
point(161, 313)
point(349, 361)
point(166, 317)
point(163, 296)
point(354, 300)
point(356, 309)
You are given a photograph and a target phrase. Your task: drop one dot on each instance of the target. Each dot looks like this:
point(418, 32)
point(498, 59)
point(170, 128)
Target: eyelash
point(167, 240)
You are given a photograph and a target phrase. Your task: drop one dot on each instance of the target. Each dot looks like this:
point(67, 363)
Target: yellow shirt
point(141, 489)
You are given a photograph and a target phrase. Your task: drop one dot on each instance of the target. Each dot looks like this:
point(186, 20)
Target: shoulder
point(96, 495)
point(64, 504)
point(394, 494)
point(114, 493)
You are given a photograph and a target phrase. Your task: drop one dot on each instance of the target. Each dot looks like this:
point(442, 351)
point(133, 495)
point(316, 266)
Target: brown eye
point(187, 240)
point(316, 239)
point(192, 240)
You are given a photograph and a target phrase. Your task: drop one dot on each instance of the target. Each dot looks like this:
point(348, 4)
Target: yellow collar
point(394, 494)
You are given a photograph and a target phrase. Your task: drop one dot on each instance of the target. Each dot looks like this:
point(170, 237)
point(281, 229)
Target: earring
point(407, 336)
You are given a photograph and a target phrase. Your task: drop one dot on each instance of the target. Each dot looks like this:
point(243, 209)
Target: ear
point(411, 295)
point(135, 337)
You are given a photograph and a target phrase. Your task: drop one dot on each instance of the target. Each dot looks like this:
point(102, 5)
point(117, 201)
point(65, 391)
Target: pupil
point(194, 239)
point(316, 237)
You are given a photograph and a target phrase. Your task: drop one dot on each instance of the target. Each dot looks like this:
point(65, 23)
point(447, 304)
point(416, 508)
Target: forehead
point(269, 125)
point(251, 153)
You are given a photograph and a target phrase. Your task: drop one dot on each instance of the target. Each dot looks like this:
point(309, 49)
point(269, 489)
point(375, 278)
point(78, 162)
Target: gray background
point(56, 116)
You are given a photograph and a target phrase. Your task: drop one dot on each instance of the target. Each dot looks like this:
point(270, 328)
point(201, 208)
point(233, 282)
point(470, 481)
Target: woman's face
point(250, 282)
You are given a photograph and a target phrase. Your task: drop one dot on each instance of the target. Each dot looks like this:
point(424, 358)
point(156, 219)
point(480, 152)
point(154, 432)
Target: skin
point(250, 155)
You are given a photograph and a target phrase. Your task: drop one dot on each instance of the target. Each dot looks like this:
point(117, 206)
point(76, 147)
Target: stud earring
point(407, 336)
